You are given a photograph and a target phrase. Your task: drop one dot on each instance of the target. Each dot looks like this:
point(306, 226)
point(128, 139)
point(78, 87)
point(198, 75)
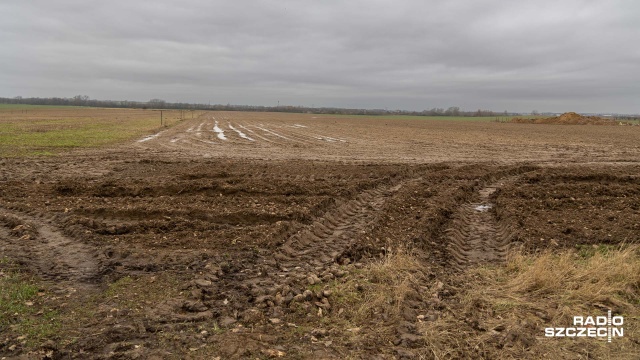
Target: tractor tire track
point(271, 281)
point(41, 245)
point(474, 236)
point(329, 236)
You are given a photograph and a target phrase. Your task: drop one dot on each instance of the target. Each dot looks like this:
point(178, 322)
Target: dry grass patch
point(609, 276)
point(504, 310)
point(388, 283)
point(369, 303)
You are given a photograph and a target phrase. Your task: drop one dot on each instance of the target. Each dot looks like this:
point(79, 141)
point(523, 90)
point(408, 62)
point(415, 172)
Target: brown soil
point(336, 138)
point(187, 245)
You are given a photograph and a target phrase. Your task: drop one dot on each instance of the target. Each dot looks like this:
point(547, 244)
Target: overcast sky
point(547, 55)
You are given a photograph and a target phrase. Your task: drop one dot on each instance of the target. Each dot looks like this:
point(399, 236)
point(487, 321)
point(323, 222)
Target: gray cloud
point(547, 55)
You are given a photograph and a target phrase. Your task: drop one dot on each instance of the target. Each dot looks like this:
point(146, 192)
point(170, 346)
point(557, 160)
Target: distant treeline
point(84, 100)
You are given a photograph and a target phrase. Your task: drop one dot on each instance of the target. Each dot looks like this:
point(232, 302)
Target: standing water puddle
point(482, 208)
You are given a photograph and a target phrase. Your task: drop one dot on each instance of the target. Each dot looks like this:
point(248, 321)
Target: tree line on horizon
point(84, 100)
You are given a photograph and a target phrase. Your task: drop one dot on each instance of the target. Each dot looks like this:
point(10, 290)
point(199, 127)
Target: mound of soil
point(569, 118)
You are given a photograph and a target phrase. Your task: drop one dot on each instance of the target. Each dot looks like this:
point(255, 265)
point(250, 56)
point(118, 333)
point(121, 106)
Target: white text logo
point(590, 326)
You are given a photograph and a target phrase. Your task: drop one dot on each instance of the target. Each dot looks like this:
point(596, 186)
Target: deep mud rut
point(52, 255)
point(181, 251)
point(326, 239)
point(474, 236)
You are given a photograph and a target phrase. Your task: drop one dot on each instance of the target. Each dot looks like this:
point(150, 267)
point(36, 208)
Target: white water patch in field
point(336, 139)
point(147, 138)
point(298, 126)
point(199, 129)
point(322, 138)
point(246, 128)
point(240, 133)
point(482, 208)
point(150, 137)
point(255, 134)
point(174, 140)
point(329, 139)
point(273, 133)
point(219, 131)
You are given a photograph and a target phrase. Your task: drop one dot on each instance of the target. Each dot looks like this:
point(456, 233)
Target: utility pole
point(160, 117)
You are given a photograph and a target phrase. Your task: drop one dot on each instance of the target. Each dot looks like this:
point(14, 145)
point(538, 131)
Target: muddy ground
point(227, 236)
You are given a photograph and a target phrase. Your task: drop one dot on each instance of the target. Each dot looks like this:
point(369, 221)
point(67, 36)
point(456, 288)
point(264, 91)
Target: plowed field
point(258, 235)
